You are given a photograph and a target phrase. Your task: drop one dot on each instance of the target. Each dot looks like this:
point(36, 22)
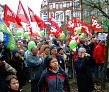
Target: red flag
point(70, 25)
point(54, 31)
point(84, 27)
point(95, 25)
point(40, 22)
point(22, 13)
point(54, 24)
point(35, 18)
point(31, 13)
point(6, 22)
point(18, 20)
point(29, 29)
point(8, 14)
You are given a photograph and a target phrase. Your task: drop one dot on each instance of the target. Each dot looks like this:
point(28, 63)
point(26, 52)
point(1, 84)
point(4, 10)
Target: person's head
point(12, 82)
point(52, 63)
point(102, 42)
point(86, 42)
point(15, 53)
point(60, 50)
point(81, 52)
point(53, 49)
point(34, 50)
point(46, 49)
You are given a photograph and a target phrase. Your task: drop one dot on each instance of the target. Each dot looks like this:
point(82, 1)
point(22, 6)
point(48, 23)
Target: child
point(54, 79)
point(13, 83)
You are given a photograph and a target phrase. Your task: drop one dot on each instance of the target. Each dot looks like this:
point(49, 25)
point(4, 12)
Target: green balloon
point(80, 37)
point(72, 44)
point(31, 44)
point(26, 35)
point(78, 30)
point(62, 36)
point(83, 34)
point(19, 33)
point(42, 33)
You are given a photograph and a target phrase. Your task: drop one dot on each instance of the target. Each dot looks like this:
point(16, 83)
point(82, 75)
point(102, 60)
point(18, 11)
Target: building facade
point(61, 9)
point(1, 11)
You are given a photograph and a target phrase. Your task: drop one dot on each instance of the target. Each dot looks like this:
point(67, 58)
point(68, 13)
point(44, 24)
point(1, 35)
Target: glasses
point(54, 61)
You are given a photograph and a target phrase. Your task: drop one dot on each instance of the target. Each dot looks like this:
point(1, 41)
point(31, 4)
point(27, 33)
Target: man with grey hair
point(83, 71)
point(35, 67)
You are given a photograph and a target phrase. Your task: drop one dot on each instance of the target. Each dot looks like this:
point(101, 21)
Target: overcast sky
point(33, 4)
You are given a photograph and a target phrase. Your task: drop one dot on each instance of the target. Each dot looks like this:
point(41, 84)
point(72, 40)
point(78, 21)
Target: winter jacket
point(10, 90)
point(35, 65)
point(53, 82)
point(98, 54)
point(83, 74)
point(5, 70)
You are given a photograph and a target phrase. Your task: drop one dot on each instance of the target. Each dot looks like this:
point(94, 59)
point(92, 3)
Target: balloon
point(31, 44)
point(78, 30)
point(42, 33)
point(62, 36)
point(72, 44)
point(83, 34)
point(19, 33)
point(26, 35)
point(80, 37)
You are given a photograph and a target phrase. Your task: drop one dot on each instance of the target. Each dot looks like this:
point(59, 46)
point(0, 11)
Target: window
point(67, 4)
point(51, 6)
point(61, 16)
point(57, 16)
point(57, 6)
point(61, 5)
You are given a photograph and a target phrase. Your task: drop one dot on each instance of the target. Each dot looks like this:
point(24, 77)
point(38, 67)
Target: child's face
point(14, 84)
point(54, 64)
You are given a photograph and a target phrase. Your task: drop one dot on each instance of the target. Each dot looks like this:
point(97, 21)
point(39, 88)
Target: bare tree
point(100, 5)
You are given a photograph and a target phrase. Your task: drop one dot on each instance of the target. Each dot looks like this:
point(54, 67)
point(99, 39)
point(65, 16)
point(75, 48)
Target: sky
point(33, 4)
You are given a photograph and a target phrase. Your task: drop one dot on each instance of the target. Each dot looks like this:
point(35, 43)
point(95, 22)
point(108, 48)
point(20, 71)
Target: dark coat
point(53, 82)
point(5, 70)
point(83, 74)
point(18, 64)
point(10, 90)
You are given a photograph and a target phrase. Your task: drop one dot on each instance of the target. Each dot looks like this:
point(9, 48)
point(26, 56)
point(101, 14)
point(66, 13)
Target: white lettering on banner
point(86, 29)
point(53, 29)
point(70, 24)
point(9, 13)
point(21, 12)
point(94, 23)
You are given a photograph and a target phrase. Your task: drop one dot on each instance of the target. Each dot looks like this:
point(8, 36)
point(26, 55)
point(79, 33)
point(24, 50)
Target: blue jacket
point(35, 65)
point(54, 82)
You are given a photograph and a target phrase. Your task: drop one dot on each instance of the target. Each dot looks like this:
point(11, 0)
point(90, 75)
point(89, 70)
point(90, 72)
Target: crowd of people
point(50, 64)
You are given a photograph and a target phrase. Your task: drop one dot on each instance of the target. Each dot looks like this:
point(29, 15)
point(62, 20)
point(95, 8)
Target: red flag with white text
point(9, 15)
point(54, 24)
point(95, 25)
point(54, 31)
point(22, 13)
